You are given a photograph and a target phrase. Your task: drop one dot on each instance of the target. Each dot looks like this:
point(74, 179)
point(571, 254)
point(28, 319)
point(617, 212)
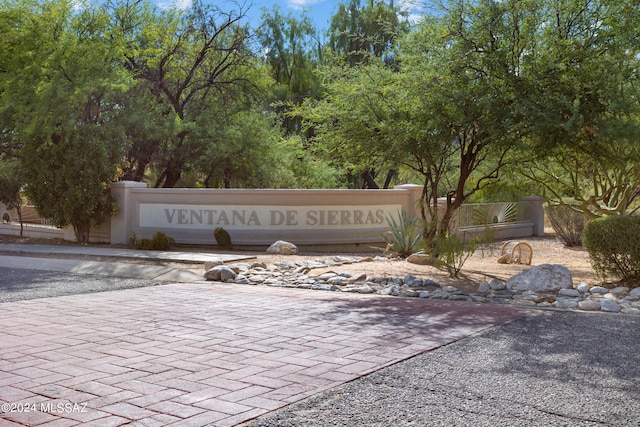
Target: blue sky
point(319, 10)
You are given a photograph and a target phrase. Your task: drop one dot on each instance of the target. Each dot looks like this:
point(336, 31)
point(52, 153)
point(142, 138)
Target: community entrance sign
point(262, 216)
point(258, 217)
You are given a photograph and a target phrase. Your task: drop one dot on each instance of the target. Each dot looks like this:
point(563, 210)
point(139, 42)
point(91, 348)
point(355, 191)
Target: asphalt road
point(21, 284)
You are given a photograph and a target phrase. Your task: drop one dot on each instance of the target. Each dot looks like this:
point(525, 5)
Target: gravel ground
point(18, 285)
point(550, 369)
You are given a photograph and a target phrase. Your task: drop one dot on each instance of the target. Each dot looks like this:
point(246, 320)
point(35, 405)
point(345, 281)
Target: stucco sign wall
point(258, 216)
point(262, 216)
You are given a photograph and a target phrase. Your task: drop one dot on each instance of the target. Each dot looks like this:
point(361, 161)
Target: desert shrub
point(144, 244)
point(452, 252)
point(486, 241)
point(159, 242)
point(567, 223)
point(223, 239)
point(404, 236)
point(612, 243)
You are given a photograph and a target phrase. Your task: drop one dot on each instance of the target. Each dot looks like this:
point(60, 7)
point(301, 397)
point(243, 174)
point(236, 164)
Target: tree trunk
point(171, 178)
point(226, 178)
point(390, 175)
point(207, 180)
point(81, 231)
point(445, 223)
point(19, 210)
point(172, 174)
point(429, 212)
point(369, 181)
point(138, 174)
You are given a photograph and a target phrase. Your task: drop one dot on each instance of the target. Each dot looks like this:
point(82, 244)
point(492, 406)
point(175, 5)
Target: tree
point(58, 101)
point(292, 52)
point(359, 35)
point(187, 62)
point(292, 49)
point(10, 189)
point(464, 77)
point(483, 85)
point(450, 112)
point(359, 32)
point(584, 106)
point(592, 184)
point(241, 153)
point(353, 122)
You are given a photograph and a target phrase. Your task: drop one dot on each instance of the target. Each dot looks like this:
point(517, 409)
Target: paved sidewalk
point(111, 269)
point(207, 354)
point(119, 252)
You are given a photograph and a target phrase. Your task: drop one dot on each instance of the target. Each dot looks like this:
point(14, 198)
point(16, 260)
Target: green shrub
point(613, 246)
point(223, 239)
point(404, 236)
point(567, 223)
point(159, 242)
point(144, 244)
point(452, 252)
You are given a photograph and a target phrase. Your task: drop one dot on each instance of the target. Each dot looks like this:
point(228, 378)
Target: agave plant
point(404, 236)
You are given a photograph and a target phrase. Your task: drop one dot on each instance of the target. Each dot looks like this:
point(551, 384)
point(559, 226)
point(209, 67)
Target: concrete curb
point(120, 253)
point(112, 269)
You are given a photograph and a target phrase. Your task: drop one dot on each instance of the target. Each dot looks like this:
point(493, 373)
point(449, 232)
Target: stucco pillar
point(414, 196)
point(536, 208)
point(121, 222)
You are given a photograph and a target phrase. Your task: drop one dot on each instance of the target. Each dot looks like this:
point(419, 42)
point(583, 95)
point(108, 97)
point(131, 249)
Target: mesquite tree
point(58, 98)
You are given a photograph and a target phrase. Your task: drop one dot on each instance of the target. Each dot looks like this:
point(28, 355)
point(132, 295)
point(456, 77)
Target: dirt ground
point(480, 267)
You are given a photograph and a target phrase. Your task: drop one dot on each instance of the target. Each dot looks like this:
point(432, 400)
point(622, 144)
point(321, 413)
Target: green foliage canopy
point(483, 87)
point(583, 105)
point(59, 90)
point(449, 111)
point(193, 65)
point(360, 31)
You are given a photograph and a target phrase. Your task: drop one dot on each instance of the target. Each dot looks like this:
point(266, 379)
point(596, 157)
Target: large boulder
point(212, 263)
point(422, 259)
point(212, 274)
point(282, 248)
point(542, 278)
point(220, 273)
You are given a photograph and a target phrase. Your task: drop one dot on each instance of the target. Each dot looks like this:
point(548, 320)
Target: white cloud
point(415, 18)
point(78, 5)
point(414, 8)
point(178, 4)
point(183, 4)
point(301, 4)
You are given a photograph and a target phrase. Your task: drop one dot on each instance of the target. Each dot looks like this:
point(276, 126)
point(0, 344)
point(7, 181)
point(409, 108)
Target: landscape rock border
point(542, 286)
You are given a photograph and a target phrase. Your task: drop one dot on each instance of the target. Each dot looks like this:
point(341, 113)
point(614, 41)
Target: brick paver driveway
point(206, 354)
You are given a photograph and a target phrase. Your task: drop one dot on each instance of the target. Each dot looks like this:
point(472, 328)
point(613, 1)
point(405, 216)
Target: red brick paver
point(206, 354)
